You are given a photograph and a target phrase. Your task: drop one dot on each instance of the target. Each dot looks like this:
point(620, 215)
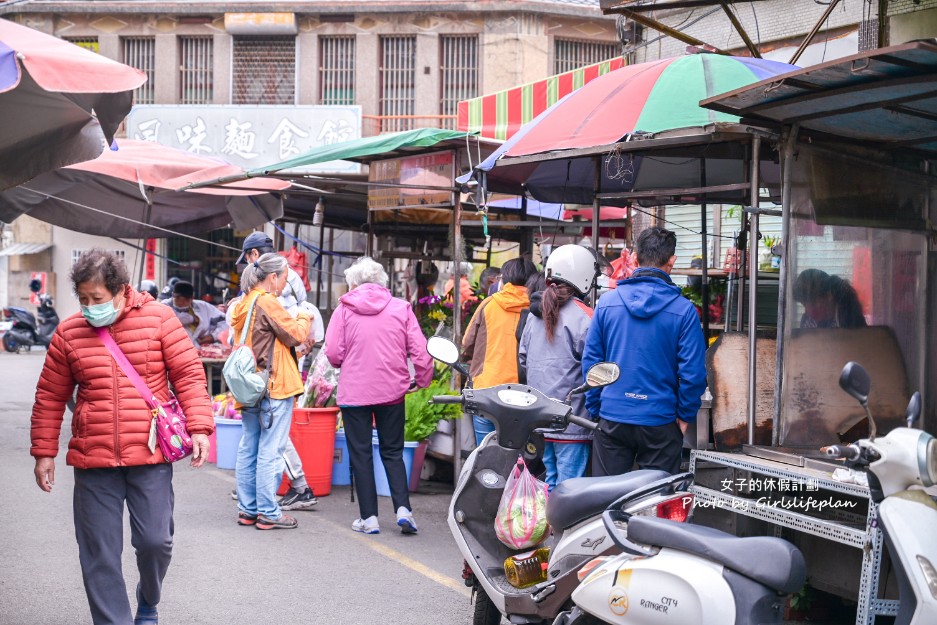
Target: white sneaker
point(405, 521)
point(366, 526)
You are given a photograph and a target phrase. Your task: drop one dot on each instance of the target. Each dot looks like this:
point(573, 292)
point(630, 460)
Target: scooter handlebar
point(847, 452)
point(589, 424)
point(446, 399)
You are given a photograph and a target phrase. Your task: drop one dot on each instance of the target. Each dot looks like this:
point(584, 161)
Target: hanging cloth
point(298, 263)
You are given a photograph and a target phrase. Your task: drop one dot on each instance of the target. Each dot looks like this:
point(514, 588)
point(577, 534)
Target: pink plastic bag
point(521, 521)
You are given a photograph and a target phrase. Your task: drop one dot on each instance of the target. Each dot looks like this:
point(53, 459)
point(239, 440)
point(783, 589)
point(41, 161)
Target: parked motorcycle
point(24, 333)
point(690, 574)
point(534, 587)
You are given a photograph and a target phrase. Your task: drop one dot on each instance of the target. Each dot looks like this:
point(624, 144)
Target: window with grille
point(195, 70)
point(88, 43)
point(569, 54)
point(459, 71)
point(336, 70)
point(264, 70)
point(398, 82)
point(76, 254)
point(140, 52)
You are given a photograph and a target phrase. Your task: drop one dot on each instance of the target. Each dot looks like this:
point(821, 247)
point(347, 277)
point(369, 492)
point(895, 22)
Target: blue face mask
point(100, 315)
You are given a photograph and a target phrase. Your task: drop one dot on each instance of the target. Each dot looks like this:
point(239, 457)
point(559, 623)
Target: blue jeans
point(259, 465)
point(482, 427)
point(565, 460)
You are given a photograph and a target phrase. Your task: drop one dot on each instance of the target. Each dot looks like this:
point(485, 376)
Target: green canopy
point(360, 149)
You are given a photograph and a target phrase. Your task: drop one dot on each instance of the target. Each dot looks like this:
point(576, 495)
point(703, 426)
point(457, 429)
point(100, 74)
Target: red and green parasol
point(645, 98)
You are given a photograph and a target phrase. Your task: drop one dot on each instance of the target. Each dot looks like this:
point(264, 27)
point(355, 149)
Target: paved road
point(221, 573)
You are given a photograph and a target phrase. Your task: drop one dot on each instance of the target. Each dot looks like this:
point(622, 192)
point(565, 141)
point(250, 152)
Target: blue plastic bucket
point(380, 477)
point(228, 436)
point(341, 468)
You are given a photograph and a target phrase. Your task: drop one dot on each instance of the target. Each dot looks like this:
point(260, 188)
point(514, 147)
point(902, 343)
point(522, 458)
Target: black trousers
point(390, 422)
point(98, 503)
point(617, 447)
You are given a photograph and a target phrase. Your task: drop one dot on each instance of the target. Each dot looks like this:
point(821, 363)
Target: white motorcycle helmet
point(574, 265)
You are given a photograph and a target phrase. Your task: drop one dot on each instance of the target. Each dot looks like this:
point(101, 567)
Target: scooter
point(700, 575)
point(573, 509)
point(24, 332)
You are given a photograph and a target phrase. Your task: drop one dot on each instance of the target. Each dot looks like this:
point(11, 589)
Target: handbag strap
point(247, 325)
point(247, 322)
point(127, 368)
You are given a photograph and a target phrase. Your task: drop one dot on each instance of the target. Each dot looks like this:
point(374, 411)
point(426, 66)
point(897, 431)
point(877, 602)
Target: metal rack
point(867, 538)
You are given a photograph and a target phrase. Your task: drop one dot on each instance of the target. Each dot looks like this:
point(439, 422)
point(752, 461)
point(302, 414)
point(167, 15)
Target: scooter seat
point(774, 562)
point(579, 498)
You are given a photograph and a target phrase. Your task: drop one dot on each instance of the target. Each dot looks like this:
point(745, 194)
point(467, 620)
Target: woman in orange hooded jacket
point(490, 343)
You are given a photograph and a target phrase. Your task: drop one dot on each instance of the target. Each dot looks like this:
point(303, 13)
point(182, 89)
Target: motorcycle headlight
point(927, 459)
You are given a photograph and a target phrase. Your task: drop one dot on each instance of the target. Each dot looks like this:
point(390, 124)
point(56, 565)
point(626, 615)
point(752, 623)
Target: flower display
point(321, 384)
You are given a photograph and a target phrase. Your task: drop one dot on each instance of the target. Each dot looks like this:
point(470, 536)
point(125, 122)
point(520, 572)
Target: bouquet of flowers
point(321, 383)
point(435, 309)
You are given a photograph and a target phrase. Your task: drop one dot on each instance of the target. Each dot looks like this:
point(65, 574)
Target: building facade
point(405, 64)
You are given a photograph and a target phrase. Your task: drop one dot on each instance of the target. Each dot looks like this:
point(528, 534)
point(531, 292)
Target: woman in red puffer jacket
point(113, 448)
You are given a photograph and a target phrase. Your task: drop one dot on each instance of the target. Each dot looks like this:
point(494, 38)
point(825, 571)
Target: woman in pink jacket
point(371, 337)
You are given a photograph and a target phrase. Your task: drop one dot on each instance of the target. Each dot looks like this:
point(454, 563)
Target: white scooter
point(574, 508)
point(703, 576)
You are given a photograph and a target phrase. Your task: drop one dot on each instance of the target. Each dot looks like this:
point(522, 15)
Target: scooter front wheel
point(10, 344)
point(485, 611)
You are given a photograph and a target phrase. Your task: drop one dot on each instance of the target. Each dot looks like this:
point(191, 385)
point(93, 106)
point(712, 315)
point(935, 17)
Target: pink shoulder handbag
point(171, 434)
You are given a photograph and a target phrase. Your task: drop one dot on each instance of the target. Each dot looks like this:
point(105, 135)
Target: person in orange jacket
point(490, 343)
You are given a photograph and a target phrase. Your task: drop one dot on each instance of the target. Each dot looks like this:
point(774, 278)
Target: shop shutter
point(264, 70)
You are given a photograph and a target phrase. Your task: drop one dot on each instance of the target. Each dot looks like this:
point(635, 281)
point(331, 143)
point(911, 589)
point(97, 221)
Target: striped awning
point(499, 115)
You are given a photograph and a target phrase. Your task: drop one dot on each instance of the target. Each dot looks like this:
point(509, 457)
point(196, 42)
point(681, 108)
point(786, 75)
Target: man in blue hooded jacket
point(653, 333)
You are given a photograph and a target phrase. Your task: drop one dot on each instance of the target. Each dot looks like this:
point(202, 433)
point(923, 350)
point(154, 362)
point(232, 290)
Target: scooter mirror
point(602, 374)
point(442, 350)
point(855, 380)
point(35, 285)
point(914, 409)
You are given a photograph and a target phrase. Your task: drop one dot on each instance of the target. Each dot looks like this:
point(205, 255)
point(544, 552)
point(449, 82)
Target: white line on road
point(389, 552)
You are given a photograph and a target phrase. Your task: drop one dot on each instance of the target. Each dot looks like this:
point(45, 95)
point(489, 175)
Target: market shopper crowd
point(526, 326)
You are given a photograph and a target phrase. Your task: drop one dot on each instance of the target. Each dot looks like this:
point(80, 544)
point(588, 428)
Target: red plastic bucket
point(313, 435)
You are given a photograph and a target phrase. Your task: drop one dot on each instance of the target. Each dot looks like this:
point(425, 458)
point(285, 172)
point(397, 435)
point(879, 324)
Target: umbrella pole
point(370, 233)
point(457, 321)
point(787, 160)
point(596, 187)
point(146, 220)
point(319, 276)
point(705, 264)
point(753, 289)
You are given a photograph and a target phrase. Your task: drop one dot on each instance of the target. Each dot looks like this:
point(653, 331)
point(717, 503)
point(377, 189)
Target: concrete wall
point(64, 242)
point(921, 24)
point(514, 47)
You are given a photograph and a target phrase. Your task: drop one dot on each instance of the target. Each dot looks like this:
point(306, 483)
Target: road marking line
point(400, 558)
point(389, 552)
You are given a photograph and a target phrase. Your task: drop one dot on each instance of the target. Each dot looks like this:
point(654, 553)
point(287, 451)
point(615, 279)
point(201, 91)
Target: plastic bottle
point(529, 568)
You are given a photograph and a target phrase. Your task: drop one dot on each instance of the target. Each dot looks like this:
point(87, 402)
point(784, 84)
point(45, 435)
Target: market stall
point(859, 189)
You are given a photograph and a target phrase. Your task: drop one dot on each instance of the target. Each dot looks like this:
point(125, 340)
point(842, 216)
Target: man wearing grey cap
point(256, 244)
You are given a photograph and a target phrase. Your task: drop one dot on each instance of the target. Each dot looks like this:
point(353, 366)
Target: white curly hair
point(365, 270)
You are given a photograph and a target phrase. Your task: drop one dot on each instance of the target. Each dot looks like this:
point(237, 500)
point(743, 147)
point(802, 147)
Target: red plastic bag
point(521, 521)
